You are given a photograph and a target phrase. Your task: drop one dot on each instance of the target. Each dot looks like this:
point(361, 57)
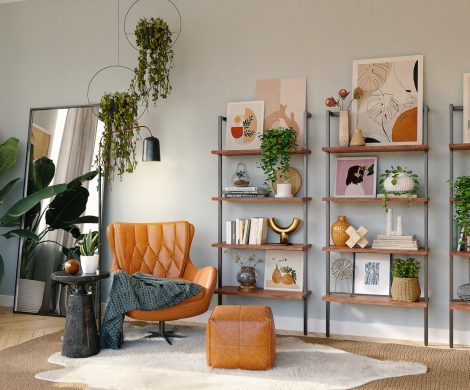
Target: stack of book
point(244, 192)
point(395, 242)
point(251, 231)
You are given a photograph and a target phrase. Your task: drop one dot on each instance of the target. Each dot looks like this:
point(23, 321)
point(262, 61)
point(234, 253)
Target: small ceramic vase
point(357, 138)
point(338, 231)
point(247, 277)
point(343, 131)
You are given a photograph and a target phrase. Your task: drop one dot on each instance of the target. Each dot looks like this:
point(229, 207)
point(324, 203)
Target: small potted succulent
point(344, 107)
point(401, 182)
point(405, 285)
point(88, 244)
point(276, 147)
point(247, 276)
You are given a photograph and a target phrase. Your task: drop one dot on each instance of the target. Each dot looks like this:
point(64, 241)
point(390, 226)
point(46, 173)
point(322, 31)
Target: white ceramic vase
point(404, 183)
point(30, 294)
point(89, 264)
point(283, 190)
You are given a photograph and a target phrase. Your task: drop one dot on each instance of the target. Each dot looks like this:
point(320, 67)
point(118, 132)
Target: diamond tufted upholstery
point(161, 249)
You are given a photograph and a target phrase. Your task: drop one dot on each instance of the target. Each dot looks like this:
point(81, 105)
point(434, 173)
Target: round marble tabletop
point(77, 279)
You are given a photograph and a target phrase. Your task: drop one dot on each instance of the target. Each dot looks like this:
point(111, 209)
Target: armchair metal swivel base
point(164, 334)
point(162, 250)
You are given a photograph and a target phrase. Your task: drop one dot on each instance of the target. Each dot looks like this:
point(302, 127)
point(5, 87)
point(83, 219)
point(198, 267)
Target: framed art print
point(372, 274)
point(285, 102)
point(391, 110)
point(356, 177)
point(244, 125)
point(466, 108)
point(283, 271)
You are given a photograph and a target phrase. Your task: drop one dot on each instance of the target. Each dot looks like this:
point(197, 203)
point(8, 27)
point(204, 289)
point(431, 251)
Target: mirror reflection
point(63, 144)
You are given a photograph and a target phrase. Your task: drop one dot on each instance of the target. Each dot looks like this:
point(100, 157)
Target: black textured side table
point(81, 334)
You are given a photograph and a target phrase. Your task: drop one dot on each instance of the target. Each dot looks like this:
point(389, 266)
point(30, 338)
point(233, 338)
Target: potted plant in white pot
point(398, 182)
point(276, 147)
point(89, 244)
point(405, 285)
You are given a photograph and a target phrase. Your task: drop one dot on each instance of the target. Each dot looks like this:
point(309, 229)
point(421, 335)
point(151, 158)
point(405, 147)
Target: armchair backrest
point(160, 249)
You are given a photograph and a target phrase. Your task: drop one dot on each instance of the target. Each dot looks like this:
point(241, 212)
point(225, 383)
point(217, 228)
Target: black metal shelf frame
point(221, 129)
point(425, 185)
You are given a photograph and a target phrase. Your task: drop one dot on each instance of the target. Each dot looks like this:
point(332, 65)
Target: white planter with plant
point(398, 182)
point(89, 244)
point(276, 147)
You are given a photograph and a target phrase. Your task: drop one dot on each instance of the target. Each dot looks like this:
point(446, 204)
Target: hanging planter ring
point(177, 32)
point(99, 72)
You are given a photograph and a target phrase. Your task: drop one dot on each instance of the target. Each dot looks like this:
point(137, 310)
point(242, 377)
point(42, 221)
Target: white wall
point(50, 49)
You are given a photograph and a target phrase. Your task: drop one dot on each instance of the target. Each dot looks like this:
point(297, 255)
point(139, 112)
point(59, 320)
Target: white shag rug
point(153, 364)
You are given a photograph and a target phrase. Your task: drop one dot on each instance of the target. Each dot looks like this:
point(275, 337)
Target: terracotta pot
point(406, 289)
point(276, 277)
point(343, 130)
point(338, 231)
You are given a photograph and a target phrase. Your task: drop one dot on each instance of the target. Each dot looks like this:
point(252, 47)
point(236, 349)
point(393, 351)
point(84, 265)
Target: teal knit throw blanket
point(139, 292)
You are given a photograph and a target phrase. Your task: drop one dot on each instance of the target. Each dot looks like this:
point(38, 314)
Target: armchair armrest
point(205, 277)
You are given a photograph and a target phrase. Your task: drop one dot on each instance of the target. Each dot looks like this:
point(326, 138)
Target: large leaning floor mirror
point(63, 144)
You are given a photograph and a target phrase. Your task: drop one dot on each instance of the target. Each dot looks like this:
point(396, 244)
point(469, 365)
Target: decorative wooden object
point(291, 176)
point(356, 237)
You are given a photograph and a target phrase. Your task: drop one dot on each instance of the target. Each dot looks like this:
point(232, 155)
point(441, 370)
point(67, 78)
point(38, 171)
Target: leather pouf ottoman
point(241, 337)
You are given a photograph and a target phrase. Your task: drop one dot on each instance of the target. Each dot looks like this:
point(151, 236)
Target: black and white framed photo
point(372, 274)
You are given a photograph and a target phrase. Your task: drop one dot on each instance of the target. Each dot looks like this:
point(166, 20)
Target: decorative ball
point(71, 266)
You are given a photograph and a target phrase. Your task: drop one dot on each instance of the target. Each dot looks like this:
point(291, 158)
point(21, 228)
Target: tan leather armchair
point(161, 249)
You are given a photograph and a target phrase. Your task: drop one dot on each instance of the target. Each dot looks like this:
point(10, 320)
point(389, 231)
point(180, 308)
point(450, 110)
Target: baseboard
point(7, 300)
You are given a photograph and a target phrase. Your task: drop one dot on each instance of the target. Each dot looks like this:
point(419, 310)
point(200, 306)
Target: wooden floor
point(19, 328)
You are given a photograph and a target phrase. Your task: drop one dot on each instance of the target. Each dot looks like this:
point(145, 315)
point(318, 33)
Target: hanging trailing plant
point(118, 111)
point(152, 75)
point(461, 186)
point(276, 146)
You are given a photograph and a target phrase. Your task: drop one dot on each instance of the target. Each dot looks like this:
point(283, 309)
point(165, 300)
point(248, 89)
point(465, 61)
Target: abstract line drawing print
point(391, 110)
point(372, 273)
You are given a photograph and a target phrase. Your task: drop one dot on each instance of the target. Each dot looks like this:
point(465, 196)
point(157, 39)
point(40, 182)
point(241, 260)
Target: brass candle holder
point(284, 231)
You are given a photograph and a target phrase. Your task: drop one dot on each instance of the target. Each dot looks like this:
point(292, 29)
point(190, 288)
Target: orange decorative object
point(277, 276)
point(338, 231)
point(405, 128)
point(237, 131)
point(71, 266)
point(161, 249)
point(241, 337)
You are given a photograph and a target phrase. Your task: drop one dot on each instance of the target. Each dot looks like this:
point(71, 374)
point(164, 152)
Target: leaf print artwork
point(382, 108)
point(371, 77)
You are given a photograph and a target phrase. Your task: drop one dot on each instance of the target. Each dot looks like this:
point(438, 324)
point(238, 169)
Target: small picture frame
point(283, 271)
point(244, 125)
point(356, 177)
point(372, 274)
point(466, 108)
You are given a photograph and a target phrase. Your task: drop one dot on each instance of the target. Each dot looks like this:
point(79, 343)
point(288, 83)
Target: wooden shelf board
point(459, 146)
point(266, 199)
point(372, 200)
point(372, 300)
point(252, 152)
point(459, 304)
point(460, 253)
point(293, 247)
point(376, 148)
point(345, 249)
point(261, 293)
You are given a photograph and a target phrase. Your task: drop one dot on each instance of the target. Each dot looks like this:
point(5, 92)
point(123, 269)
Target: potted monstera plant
point(64, 212)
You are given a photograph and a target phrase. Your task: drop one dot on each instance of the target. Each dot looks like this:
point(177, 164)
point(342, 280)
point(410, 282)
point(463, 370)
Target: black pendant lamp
point(151, 149)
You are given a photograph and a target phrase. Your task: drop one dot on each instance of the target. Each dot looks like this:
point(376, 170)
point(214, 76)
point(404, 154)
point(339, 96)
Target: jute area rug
point(447, 369)
point(299, 366)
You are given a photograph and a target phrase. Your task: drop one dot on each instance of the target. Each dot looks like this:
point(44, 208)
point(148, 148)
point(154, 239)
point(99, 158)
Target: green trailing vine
point(276, 146)
point(405, 268)
point(118, 111)
point(152, 75)
point(393, 173)
point(461, 186)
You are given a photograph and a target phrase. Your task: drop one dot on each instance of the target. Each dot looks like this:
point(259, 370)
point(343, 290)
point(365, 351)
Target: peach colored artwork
point(285, 103)
point(466, 108)
point(244, 125)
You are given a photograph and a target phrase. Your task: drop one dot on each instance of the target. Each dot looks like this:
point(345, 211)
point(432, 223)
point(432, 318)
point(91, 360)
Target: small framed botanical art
point(372, 274)
point(466, 108)
point(244, 125)
point(283, 270)
point(356, 177)
point(391, 109)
